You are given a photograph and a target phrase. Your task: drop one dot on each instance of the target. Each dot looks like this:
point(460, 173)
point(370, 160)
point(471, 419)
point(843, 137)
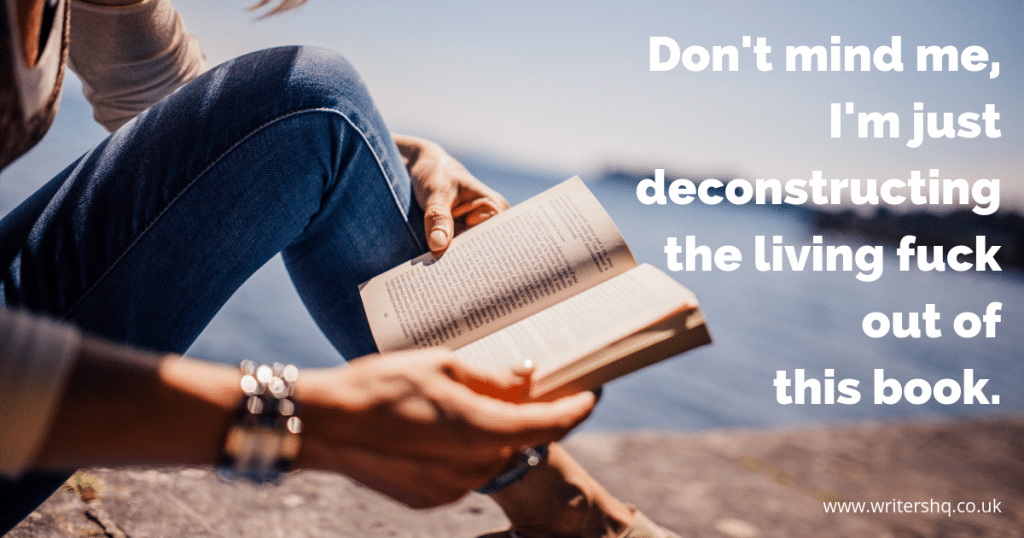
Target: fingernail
point(439, 238)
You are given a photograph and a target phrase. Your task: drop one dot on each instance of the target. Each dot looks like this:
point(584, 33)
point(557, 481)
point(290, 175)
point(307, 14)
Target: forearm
point(123, 406)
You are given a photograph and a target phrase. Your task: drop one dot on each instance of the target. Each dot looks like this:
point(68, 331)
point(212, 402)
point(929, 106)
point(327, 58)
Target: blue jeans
point(145, 237)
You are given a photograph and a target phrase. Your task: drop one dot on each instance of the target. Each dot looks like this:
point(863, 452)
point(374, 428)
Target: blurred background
point(530, 93)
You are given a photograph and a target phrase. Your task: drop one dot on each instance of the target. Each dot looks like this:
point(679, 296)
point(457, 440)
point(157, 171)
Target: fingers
point(452, 199)
point(485, 209)
point(511, 385)
point(535, 423)
point(479, 199)
point(481, 406)
point(502, 423)
point(477, 206)
point(485, 204)
point(467, 200)
point(488, 401)
point(423, 410)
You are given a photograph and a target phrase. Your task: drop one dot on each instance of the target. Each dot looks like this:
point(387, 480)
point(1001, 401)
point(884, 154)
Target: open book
point(550, 280)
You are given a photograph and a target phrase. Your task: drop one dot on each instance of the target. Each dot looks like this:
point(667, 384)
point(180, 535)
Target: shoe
point(642, 527)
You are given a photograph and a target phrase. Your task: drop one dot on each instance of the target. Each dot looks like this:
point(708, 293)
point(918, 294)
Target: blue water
point(761, 322)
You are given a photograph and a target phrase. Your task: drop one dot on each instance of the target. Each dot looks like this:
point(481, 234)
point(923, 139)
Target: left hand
point(451, 198)
point(422, 427)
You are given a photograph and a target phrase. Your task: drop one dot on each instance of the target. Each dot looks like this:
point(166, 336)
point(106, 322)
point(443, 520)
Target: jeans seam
point(217, 159)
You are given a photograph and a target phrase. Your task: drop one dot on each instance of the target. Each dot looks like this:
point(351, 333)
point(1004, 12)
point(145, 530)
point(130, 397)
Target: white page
point(582, 324)
point(519, 262)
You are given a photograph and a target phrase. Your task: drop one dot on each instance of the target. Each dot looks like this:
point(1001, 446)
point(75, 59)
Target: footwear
point(642, 527)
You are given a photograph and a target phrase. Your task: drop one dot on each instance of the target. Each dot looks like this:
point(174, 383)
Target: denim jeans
point(145, 237)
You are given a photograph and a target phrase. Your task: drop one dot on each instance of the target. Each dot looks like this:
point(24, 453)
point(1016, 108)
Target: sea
point(762, 322)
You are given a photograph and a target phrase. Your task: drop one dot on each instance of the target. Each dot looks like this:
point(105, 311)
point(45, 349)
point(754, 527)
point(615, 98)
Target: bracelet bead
point(263, 440)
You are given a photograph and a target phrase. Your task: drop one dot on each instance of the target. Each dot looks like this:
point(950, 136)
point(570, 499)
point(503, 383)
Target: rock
point(740, 484)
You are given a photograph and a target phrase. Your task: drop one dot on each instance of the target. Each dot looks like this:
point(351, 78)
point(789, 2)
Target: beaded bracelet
point(262, 441)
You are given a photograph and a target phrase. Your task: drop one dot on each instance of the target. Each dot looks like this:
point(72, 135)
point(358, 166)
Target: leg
point(143, 238)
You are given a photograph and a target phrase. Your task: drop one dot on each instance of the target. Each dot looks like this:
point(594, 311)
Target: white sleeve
point(36, 357)
point(130, 56)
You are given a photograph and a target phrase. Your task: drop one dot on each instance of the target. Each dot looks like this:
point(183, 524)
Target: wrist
point(262, 440)
point(326, 411)
point(205, 395)
point(522, 463)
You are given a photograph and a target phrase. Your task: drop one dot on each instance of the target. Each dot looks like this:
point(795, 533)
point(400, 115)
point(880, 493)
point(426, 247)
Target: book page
point(517, 263)
point(583, 324)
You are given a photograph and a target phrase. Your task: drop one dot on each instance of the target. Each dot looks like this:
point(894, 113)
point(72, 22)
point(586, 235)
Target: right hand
point(452, 199)
point(408, 424)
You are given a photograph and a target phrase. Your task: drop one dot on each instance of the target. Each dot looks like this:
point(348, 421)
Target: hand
point(408, 424)
point(451, 198)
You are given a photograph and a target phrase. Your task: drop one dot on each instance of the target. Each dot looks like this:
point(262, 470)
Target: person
point(206, 175)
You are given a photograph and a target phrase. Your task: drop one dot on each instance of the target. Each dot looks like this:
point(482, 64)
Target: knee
point(320, 78)
point(277, 82)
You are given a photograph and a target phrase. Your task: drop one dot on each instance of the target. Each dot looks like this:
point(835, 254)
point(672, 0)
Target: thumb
point(438, 221)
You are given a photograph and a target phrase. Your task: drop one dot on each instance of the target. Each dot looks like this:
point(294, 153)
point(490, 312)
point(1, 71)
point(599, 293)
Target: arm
point(451, 198)
point(122, 406)
point(129, 55)
point(406, 424)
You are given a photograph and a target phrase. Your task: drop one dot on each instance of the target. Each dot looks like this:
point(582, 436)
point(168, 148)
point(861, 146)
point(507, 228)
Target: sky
point(567, 86)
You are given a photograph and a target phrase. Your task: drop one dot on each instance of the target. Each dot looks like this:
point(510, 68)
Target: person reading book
point(206, 175)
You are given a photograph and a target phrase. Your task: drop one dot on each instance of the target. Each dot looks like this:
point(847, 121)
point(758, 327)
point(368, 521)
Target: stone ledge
point(739, 484)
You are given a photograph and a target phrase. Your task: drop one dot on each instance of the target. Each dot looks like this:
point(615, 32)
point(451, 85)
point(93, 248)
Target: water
point(762, 322)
